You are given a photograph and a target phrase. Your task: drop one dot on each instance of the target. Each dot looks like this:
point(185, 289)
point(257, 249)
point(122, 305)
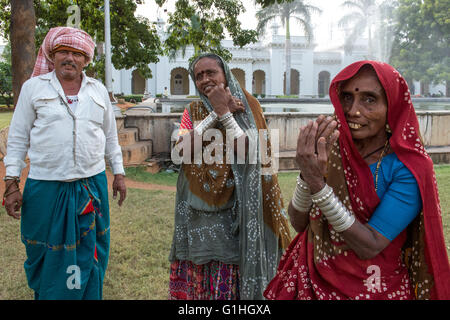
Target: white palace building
point(259, 68)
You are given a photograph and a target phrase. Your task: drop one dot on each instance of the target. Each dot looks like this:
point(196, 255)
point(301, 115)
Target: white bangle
point(206, 123)
point(332, 208)
point(230, 124)
point(347, 224)
point(225, 116)
point(321, 196)
point(301, 199)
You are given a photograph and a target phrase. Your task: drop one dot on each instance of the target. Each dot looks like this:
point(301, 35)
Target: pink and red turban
point(62, 37)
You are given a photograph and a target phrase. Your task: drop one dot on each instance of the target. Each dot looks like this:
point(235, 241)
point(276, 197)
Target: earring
point(388, 129)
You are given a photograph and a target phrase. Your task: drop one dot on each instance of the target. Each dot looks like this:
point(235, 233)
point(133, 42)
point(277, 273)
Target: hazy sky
point(323, 24)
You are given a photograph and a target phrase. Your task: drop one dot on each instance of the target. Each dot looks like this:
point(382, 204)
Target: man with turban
point(65, 122)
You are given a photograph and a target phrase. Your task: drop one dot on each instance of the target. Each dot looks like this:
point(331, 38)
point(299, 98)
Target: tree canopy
point(421, 50)
point(134, 40)
point(267, 3)
point(204, 24)
point(6, 77)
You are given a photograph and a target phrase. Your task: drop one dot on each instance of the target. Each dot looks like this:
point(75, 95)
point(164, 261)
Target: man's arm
point(113, 151)
point(17, 148)
point(19, 133)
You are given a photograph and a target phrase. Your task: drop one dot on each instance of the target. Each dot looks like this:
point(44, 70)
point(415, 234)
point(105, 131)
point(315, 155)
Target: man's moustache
point(68, 63)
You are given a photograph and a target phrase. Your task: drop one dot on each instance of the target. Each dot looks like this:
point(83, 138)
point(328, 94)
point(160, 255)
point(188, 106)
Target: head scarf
point(259, 245)
point(318, 264)
point(58, 37)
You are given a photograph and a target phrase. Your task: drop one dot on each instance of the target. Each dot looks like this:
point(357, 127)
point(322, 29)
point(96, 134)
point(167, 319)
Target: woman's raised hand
point(314, 144)
point(327, 134)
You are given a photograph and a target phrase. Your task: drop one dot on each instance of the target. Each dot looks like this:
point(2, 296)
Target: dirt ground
point(129, 183)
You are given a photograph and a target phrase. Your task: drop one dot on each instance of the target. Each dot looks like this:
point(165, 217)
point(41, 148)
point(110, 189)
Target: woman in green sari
point(230, 222)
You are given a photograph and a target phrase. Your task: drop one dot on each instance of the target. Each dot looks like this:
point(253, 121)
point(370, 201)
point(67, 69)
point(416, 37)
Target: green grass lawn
point(141, 235)
point(5, 118)
point(164, 178)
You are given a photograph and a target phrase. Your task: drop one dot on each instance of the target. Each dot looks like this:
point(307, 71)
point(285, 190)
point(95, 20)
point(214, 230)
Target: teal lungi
point(65, 229)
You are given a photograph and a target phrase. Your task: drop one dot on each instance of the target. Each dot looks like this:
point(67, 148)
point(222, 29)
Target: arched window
point(259, 82)
point(239, 74)
point(295, 82)
point(324, 83)
point(137, 83)
point(179, 82)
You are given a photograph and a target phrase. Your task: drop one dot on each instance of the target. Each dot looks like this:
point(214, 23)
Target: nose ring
point(358, 113)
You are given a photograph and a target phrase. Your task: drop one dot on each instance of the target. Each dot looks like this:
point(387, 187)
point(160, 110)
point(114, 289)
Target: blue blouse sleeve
point(400, 203)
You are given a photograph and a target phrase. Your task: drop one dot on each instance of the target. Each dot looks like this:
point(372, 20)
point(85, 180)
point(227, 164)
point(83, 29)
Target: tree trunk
point(288, 58)
point(23, 48)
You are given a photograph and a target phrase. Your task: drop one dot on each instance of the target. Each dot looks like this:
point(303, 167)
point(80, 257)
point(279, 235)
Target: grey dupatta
point(236, 231)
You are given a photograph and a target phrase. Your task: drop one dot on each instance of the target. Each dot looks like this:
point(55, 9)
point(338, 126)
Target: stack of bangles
point(332, 208)
point(227, 121)
point(230, 124)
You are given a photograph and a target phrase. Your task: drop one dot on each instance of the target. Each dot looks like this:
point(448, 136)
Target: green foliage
point(267, 3)
point(202, 24)
point(5, 17)
point(421, 51)
point(162, 178)
point(6, 83)
point(6, 93)
point(134, 40)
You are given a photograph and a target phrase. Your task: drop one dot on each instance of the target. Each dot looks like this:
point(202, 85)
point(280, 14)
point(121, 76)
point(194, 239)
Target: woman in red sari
point(366, 205)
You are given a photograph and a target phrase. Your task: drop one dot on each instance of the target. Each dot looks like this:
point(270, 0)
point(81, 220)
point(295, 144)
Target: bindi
point(356, 89)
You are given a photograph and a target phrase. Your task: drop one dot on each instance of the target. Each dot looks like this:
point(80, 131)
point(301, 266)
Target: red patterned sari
point(319, 265)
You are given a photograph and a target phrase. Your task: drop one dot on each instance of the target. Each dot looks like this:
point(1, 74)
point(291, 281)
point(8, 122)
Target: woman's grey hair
point(211, 56)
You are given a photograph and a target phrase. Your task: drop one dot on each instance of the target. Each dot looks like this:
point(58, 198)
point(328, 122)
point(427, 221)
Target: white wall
point(269, 57)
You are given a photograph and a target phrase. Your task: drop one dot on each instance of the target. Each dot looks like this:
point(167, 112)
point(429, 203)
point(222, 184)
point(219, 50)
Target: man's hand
point(119, 185)
point(13, 199)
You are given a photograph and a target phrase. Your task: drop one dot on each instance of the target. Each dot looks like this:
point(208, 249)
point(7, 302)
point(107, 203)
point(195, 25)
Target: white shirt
point(62, 144)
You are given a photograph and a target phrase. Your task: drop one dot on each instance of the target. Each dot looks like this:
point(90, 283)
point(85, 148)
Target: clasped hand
point(222, 101)
point(314, 144)
point(13, 200)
